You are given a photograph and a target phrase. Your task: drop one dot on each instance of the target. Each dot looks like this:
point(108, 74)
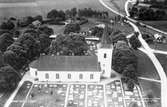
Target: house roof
point(66, 63)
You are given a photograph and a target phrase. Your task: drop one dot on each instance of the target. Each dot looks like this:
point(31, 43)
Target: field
point(21, 8)
point(151, 88)
point(163, 60)
point(75, 95)
point(159, 46)
point(16, 1)
point(145, 67)
point(157, 24)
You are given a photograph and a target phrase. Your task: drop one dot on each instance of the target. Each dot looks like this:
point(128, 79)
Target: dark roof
point(66, 63)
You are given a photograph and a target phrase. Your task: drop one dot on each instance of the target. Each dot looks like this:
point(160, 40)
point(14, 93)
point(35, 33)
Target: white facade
point(105, 60)
point(66, 76)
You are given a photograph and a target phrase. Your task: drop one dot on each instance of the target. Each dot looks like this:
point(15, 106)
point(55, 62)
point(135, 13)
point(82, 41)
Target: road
point(146, 49)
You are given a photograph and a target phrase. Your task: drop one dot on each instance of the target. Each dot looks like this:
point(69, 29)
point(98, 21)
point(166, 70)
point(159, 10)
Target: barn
point(66, 68)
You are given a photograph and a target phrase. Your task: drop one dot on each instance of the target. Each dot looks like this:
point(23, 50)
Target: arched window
point(47, 76)
point(80, 76)
point(91, 76)
point(36, 73)
point(105, 55)
point(69, 76)
point(57, 76)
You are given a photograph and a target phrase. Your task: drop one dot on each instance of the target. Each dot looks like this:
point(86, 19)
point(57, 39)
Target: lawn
point(145, 67)
point(151, 87)
point(163, 60)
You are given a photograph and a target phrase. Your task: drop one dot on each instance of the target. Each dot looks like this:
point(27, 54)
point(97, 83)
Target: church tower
point(105, 54)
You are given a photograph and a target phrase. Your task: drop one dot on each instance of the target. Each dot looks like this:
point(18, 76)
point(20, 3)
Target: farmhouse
point(66, 68)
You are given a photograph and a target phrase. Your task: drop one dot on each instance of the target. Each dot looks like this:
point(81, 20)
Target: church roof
point(66, 63)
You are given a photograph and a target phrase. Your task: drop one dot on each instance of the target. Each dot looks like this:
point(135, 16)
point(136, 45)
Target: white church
point(75, 68)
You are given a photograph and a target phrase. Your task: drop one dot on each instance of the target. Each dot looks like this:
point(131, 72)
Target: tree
point(1, 59)
point(122, 58)
point(61, 15)
point(9, 78)
point(25, 21)
point(31, 45)
point(135, 43)
point(148, 38)
point(129, 83)
point(45, 30)
point(56, 15)
point(130, 72)
point(73, 27)
point(22, 52)
point(44, 43)
point(7, 25)
point(6, 40)
point(69, 45)
point(52, 14)
point(74, 12)
point(31, 32)
point(97, 31)
point(15, 57)
point(38, 17)
point(117, 36)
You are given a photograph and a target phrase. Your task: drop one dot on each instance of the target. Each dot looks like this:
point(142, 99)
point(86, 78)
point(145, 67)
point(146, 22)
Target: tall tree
point(6, 40)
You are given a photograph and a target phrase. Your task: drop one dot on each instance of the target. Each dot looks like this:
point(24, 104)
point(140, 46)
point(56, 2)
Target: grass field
point(145, 67)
